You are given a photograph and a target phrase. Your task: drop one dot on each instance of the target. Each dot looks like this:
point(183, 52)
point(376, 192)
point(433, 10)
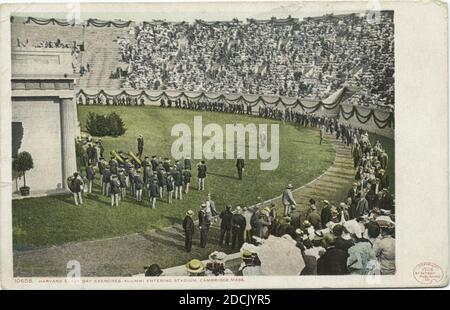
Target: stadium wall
point(370, 125)
point(329, 108)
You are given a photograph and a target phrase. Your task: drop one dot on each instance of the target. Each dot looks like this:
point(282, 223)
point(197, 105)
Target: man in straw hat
point(216, 265)
point(288, 200)
point(195, 268)
point(203, 223)
point(188, 227)
point(251, 265)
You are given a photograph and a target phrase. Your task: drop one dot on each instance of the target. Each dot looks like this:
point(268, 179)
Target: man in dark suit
point(106, 179)
point(154, 163)
point(334, 260)
point(138, 185)
point(90, 175)
point(153, 191)
point(225, 225)
point(140, 146)
point(353, 193)
point(240, 165)
point(325, 215)
point(313, 216)
point(186, 179)
point(113, 165)
point(188, 227)
point(203, 223)
point(341, 243)
point(145, 162)
point(201, 175)
point(187, 163)
point(76, 188)
point(91, 154)
point(238, 224)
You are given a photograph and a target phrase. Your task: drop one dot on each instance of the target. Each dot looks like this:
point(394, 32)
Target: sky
point(207, 11)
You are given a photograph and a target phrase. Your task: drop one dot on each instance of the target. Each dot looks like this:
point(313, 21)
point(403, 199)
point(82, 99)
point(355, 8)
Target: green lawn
point(56, 220)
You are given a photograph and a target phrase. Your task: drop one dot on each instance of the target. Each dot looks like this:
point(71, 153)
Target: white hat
point(217, 256)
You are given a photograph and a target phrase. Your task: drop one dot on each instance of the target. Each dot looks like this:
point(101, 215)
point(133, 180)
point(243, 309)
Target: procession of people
point(355, 236)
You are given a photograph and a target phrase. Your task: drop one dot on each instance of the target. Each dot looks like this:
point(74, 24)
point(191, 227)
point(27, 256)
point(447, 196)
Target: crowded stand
point(309, 58)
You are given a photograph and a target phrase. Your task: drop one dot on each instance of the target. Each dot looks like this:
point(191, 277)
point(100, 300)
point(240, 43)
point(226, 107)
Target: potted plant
point(22, 163)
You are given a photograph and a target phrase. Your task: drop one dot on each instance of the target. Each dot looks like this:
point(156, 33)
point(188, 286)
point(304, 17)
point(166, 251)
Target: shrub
point(105, 125)
point(22, 163)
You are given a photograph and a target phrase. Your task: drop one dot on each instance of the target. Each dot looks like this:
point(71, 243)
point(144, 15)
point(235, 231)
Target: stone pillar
point(69, 126)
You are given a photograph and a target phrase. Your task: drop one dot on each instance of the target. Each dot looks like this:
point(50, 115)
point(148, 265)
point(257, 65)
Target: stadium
point(95, 91)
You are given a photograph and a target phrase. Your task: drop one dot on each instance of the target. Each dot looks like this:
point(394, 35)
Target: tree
point(22, 163)
point(105, 125)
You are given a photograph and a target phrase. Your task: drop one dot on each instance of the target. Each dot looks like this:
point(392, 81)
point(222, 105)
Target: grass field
point(56, 220)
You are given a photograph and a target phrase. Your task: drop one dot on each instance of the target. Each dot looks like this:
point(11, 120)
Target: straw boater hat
point(248, 251)
point(218, 257)
point(195, 266)
point(289, 186)
point(190, 213)
point(326, 202)
point(238, 210)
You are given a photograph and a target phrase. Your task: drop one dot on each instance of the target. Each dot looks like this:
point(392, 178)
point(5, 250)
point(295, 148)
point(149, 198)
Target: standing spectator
point(153, 191)
point(361, 258)
point(90, 175)
point(203, 223)
point(334, 260)
point(123, 184)
point(288, 200)
point(188, 227)
point(138, 185)
point(201, 175)
point(225, 226)
point(186, 180)
point(384, 249)
point(77, 188)
point(313, 216)
point(325, 215)
point(115, 190)
point(240, 165)
point(362, 206)
point(140, 146)
point(237, 228)
point(322, 133)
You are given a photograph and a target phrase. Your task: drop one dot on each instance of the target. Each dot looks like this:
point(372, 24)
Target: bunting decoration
point(133, 98)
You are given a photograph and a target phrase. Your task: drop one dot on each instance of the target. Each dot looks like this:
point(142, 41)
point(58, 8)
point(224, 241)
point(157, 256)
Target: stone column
point(68, 134)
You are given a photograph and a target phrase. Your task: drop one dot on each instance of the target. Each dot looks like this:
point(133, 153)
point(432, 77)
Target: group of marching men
point(126, 172)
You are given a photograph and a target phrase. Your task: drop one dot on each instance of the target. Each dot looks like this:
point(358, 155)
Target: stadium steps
point(102, 51)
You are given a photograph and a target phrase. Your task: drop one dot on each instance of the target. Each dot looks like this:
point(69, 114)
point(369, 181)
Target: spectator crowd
point(308, 58)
